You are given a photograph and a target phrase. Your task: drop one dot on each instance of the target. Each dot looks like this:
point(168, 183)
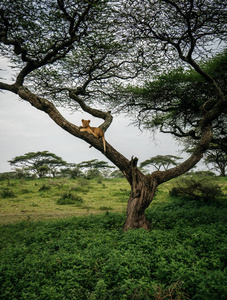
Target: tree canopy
point(94, 164)
point(217, 159)
point(172, 101)
point(40, 163)
point(84, 53)
point(161, 161)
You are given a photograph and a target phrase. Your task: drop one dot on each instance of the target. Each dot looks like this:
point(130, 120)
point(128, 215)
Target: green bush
point(69, 198)
point(105, 208)
point(7, 193)
point(44, 188)
point(196, 188)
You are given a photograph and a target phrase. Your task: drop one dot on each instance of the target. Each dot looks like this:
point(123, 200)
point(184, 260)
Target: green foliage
point(40, 162)
point(182, 257)
point(69, 198)
point(172, 101)
point(161, 161)
point(117, 174)
point(105, 208)
point(7, 193)
point(94, 164)
point(93, 173)
point(7, 175)
point(197, 188)
point(73, 171)
point(94, 168)
point(44, 187)
point(217, 158)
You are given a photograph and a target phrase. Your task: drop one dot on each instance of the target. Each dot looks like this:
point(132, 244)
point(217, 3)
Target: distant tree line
point(46, 164)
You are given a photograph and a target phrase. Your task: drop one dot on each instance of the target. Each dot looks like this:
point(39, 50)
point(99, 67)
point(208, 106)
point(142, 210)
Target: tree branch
point(106, 116)
point(44, 105)
point(202, 146)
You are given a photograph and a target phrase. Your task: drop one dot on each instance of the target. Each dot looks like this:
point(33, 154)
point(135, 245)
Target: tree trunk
point(143, 187)
point(222, 171)
point(142, 193)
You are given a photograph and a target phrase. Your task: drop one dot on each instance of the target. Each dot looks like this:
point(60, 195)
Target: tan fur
point(97, 132)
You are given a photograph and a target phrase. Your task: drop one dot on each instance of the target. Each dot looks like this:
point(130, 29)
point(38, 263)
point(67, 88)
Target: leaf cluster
point(176, 27)
point(70, 198)
point(65, 45)
point(172, 102)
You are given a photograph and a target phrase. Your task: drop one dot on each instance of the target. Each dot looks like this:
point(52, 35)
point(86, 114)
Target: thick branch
point(44, 105)
point(8, 87)
point(203, 144)
point(106, 116)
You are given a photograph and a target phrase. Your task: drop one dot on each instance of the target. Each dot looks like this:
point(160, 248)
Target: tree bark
point(222, 171)
point(142, 193)
point(143, 187)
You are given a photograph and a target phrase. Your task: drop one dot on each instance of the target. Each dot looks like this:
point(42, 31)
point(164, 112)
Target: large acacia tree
point(41, 162)
point(78, 52)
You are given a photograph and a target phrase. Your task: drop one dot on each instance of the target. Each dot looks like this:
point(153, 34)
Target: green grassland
point(56, 252)
point(45, 198)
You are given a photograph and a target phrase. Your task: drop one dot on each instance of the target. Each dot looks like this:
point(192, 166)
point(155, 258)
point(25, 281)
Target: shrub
point(80, 189)
point(92, 258)
point(93, 173)
point(44, 187)
point(105, 208)
point(25, 191)
point(174, 291)
point(82, 182)
point(7, 193)
point(69, 198)
point(7, 175)
point(195, 188)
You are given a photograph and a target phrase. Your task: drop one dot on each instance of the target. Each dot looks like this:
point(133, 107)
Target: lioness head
point(85, 123)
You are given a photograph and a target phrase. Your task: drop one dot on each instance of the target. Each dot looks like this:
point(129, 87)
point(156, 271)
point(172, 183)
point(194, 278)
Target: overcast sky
point(24, 129)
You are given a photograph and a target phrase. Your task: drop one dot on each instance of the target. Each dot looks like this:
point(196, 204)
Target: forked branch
point(106, 116)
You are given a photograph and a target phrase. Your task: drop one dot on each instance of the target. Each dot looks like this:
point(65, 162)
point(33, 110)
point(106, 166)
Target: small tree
point(43, 171)
point(39, 163)
point(161, 162)
point(72, 170)
point(94, 167)
point(218, 159)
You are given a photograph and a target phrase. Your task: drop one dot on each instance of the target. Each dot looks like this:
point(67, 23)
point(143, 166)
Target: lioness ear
point(89, 121)
point(82, 120)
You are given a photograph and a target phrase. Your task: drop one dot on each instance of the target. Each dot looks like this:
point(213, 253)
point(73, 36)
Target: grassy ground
point(39, 199)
